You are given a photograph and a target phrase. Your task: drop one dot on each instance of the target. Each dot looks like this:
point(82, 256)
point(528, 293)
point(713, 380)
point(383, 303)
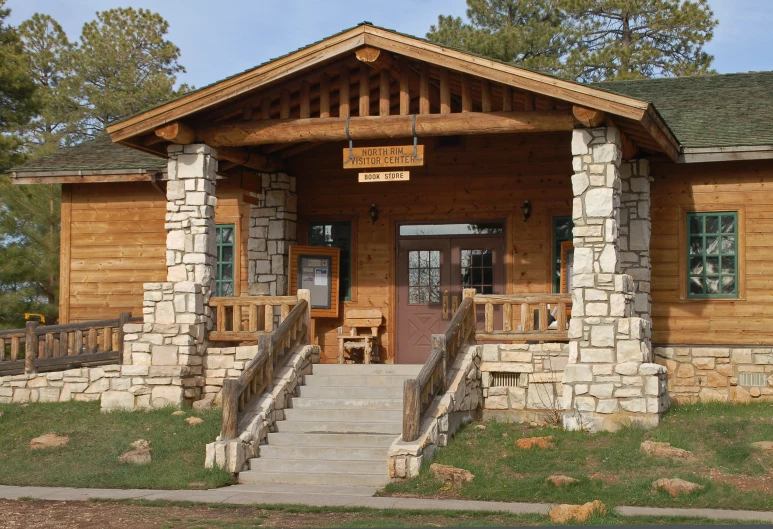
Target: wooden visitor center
point(627, 222)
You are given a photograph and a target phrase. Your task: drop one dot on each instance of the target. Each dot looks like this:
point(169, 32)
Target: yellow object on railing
point(29, 315)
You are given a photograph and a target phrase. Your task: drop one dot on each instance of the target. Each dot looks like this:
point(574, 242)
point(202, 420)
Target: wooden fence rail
point(419, 392)
point(61, 347)
point(245, 318)
point(273, 350)
point(538, 317)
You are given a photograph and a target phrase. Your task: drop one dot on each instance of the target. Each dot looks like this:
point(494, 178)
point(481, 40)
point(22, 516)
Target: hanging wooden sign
point(388, 176)
point(389, 156)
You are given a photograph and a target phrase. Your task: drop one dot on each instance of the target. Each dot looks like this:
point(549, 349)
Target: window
point(562, 232)
point(430, 230)
point(224, 284)
point(423, 277)
point(336, 235)
point(478, 270)
point(712, 255)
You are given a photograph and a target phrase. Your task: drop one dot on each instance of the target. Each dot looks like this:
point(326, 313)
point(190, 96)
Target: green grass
point(90, 459)
point(611, 467)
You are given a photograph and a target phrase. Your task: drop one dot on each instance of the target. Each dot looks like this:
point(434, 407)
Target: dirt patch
point(762, 483)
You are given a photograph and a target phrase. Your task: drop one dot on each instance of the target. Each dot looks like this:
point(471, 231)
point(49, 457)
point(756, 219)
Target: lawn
point(611, 467)
point(90, 459)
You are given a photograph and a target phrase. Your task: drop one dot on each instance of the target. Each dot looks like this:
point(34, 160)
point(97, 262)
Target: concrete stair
point(338, 430)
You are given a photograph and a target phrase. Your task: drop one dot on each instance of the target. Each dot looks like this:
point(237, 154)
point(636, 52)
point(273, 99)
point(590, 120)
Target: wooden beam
point(240, 133)
point(265, 108)
point(507, 99)
point(588, 117)
point(466, 93)
point(485, 95)
point(653, 123)
point(251, 160)
point(364, 91)
point(528, 101)
point(384, 89)
point(445, 92)
point(20, 179)
point(324, 96)
point(424, 107)
point(177, 132)
point(405, 93)
point(284, 104)
point(344, 99)
point(305, 102)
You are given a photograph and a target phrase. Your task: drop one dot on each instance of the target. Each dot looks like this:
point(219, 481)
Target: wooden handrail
point(258, 375)
point(525, 317)
point(419, 392)
point(62, 347)
point(245, 318)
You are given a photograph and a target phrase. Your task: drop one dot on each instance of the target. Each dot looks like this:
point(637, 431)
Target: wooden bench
point(357, 319)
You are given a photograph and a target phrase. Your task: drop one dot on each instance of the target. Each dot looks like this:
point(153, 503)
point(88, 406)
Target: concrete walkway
point(264, 494)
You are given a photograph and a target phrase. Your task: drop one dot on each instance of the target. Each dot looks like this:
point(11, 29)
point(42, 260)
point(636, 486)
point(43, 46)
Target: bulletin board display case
point(316, 268)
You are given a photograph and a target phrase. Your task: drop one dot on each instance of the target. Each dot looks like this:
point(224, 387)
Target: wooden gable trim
point(82, 177)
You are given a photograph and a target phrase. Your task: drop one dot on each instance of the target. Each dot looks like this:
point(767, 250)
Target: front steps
point(338, 430)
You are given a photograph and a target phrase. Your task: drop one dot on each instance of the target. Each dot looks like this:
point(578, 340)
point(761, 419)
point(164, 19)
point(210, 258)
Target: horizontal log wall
point(117, 242)
point(486, 177)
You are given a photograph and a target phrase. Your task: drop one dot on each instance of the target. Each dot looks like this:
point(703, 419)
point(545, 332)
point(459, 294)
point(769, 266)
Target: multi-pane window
point(224, 283)
point(562, 231)
point(423, 277)
point(712, 255)
point(336, 235)
point(478, 270)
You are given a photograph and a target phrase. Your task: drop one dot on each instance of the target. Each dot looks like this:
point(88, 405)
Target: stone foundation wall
point(224, 362)
point(260, 419)
point(533, 381)
point(713, 372)
point(461, 403)
point(84, 384)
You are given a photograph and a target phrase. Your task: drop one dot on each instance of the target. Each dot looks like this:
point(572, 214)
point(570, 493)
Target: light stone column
point(610, 378)
point(163, 355)
point(272, 231)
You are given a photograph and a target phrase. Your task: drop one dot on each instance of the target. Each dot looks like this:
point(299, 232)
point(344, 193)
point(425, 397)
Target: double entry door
point(431, 274)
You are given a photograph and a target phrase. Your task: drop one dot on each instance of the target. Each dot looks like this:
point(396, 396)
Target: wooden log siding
point(245, 318)
point(525, 317)
point(419, 393)
point(62, 347)
point(258, 376)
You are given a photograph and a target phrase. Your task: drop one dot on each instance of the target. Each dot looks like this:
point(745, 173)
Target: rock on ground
point(654, 448)
point(135, 457)
point(178, 412)
point(205, 403)
point(763, 445)
point(578, 513)
point(140, 444)
point(561, 481)
point(49, 440)
point(528, 443)
point(448, 474)
point(480, 426)
point(193, 421)
point(676, 487)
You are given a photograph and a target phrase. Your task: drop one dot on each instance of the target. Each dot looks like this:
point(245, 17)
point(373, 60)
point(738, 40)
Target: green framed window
point(712, 255)
point(225, 281)
point(336, 235)
point(562, 231)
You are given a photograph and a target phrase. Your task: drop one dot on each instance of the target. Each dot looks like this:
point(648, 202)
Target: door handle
point(445, 304)
point(454, 304)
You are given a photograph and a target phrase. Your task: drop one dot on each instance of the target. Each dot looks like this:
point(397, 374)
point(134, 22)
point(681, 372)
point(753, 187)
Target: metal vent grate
point(752, 379)
point(504, 380)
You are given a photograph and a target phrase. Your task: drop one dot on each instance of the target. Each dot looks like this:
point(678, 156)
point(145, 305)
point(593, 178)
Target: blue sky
point(223, 37)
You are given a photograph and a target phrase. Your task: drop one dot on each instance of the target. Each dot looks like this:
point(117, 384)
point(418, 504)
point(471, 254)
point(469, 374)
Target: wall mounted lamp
point(373, 212)
point(526, 208)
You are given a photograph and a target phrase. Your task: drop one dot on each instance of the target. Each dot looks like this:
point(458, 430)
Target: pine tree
point(634, 39)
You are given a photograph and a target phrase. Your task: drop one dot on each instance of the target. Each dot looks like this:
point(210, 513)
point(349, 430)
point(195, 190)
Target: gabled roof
point(728, 110)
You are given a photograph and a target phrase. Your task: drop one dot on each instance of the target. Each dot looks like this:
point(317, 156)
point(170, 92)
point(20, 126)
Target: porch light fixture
point(526, 208)
point(373, 212)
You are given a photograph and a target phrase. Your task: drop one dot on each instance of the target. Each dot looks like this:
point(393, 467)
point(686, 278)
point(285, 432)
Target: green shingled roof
point(727, 110)
point(99, 154)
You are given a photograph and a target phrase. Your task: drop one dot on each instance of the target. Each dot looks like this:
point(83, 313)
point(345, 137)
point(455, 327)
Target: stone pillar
point(272, 230)
point(610, 378)
point(163, 355)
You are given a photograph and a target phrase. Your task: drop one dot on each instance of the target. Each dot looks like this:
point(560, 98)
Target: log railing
point(538, 317)
point(419, 392)
point(257, 377)
point(60, 347)
point(245, 318)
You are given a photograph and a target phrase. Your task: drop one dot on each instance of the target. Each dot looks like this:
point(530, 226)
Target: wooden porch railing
point(245, 318)
point(525, 317)
point(419, 392)
point(273, 350)
point(61, 347)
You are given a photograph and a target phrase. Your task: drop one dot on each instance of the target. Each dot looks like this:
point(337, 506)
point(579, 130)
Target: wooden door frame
point(505, 217)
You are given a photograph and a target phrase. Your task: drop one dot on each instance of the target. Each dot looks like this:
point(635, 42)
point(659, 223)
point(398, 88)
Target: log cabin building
point(627, 222)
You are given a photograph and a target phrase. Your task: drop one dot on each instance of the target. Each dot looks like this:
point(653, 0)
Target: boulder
point(561, 481)
point(135, 457)
point(527, 443)
point(448, 474)
point(655, 448)
point(193, 421)
point(140, 444)
point(675, 487)
point(178, 412)
point(763, 445)
point(49, 440)
point(578, 513)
